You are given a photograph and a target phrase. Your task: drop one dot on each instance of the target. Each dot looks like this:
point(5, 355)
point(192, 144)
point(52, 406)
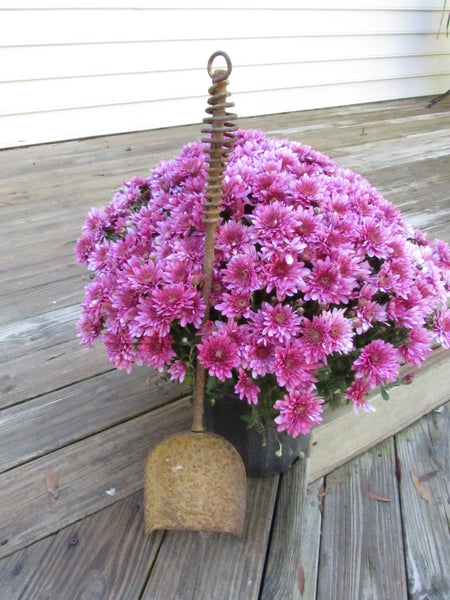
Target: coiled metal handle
point(221, 139)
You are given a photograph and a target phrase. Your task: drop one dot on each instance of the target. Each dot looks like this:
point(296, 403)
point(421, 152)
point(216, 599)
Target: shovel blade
point(197, 482)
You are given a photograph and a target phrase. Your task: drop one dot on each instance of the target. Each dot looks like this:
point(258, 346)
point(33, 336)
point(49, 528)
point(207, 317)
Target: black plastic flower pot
point(264, 451)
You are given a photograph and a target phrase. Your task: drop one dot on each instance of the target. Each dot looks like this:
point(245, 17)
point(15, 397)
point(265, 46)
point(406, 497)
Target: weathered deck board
point(217, 566)
point(103, 557)
point(17, 570)
point(423, 450)
point(86, 470)
point(361, 553)
point(57, 419)
point(402, 148)
point(311, 537)
point(283, 577)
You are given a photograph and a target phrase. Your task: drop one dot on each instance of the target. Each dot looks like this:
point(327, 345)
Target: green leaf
point(384, 393)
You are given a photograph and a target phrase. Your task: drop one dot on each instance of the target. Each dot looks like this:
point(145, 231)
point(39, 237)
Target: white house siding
point(79, 68)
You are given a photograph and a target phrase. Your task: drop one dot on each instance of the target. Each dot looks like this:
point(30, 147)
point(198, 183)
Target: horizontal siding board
point(78, 123)
point(87, 26)
point(73, 60)
point(59, 94)
point(228, 4)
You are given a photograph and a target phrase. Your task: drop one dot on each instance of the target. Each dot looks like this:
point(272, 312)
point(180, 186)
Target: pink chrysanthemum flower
point(241, 274)
point(375, 238)
point(417, 347)
point(156, 350)
point(378, 362)
point(326, 284)
point(291, 368)
point(120, 349)
point(284, 275)
point(234, 304)
point(316, 339)
point(279, 323)
point(357, 394)
point(89, 328)
point(177, 371)
point(246, 388)
point(340, 332)
point(274, 223)
point(442, 327)
point(218, 356)
point(232, 238)
point(259, 358)
point(299, 411)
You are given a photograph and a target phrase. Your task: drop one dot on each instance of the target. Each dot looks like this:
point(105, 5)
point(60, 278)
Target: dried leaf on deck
point(428, 476)
point(336, 481)
point(421, 490)
point(52, 479)
point(378, 498)
point(301, 580)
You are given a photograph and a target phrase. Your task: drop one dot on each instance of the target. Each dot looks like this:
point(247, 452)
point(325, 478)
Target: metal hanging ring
point(221, 75)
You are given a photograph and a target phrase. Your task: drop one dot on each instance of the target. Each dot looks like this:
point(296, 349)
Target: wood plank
point(87, 470)
point(17, 570)
point(217, 566)
point(27, 336)
point(284, 573)
point(40, 426)
point(361, 554)
point(34, 301)
point(423, 450)
point(49, 369)
point(103, 557)
point(331, 445)
point(311, 537)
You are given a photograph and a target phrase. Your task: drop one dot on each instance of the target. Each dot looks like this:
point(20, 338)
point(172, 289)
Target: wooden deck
point(74, 433)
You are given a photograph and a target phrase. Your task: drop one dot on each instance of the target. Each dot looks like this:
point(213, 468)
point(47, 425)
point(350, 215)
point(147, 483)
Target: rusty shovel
point(196, 480)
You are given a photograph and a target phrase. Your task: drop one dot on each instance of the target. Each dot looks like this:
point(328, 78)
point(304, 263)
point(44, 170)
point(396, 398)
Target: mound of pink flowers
point(321, 290)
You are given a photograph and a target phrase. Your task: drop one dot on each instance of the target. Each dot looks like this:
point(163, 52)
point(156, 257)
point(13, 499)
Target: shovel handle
point(220, 145)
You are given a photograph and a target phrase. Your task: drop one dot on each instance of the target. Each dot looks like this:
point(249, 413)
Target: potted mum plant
point(321, 291)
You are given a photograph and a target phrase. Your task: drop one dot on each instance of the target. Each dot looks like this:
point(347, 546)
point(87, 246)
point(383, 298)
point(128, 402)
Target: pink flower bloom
point(375, 238)
point(378, 362)
point(357, 394)
point(442, 327)
point(89, 328)
point(260, 358)
point(120, 349)
point(232, 238)
point(218, 356)
point(316, 339)
point(274, 223)
point(417, 347)
point(340, 333)
point(234, 304)
point(176, 301)
point(326, 285)
point(284, 275)
point(156, 350)
point(407, 312)
point(241, 274)
point(368, 312)
point(177, 371)
point(279, 323)
point(299, 411)
point(246, 388)
point(142, 276)
point(291, 368)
